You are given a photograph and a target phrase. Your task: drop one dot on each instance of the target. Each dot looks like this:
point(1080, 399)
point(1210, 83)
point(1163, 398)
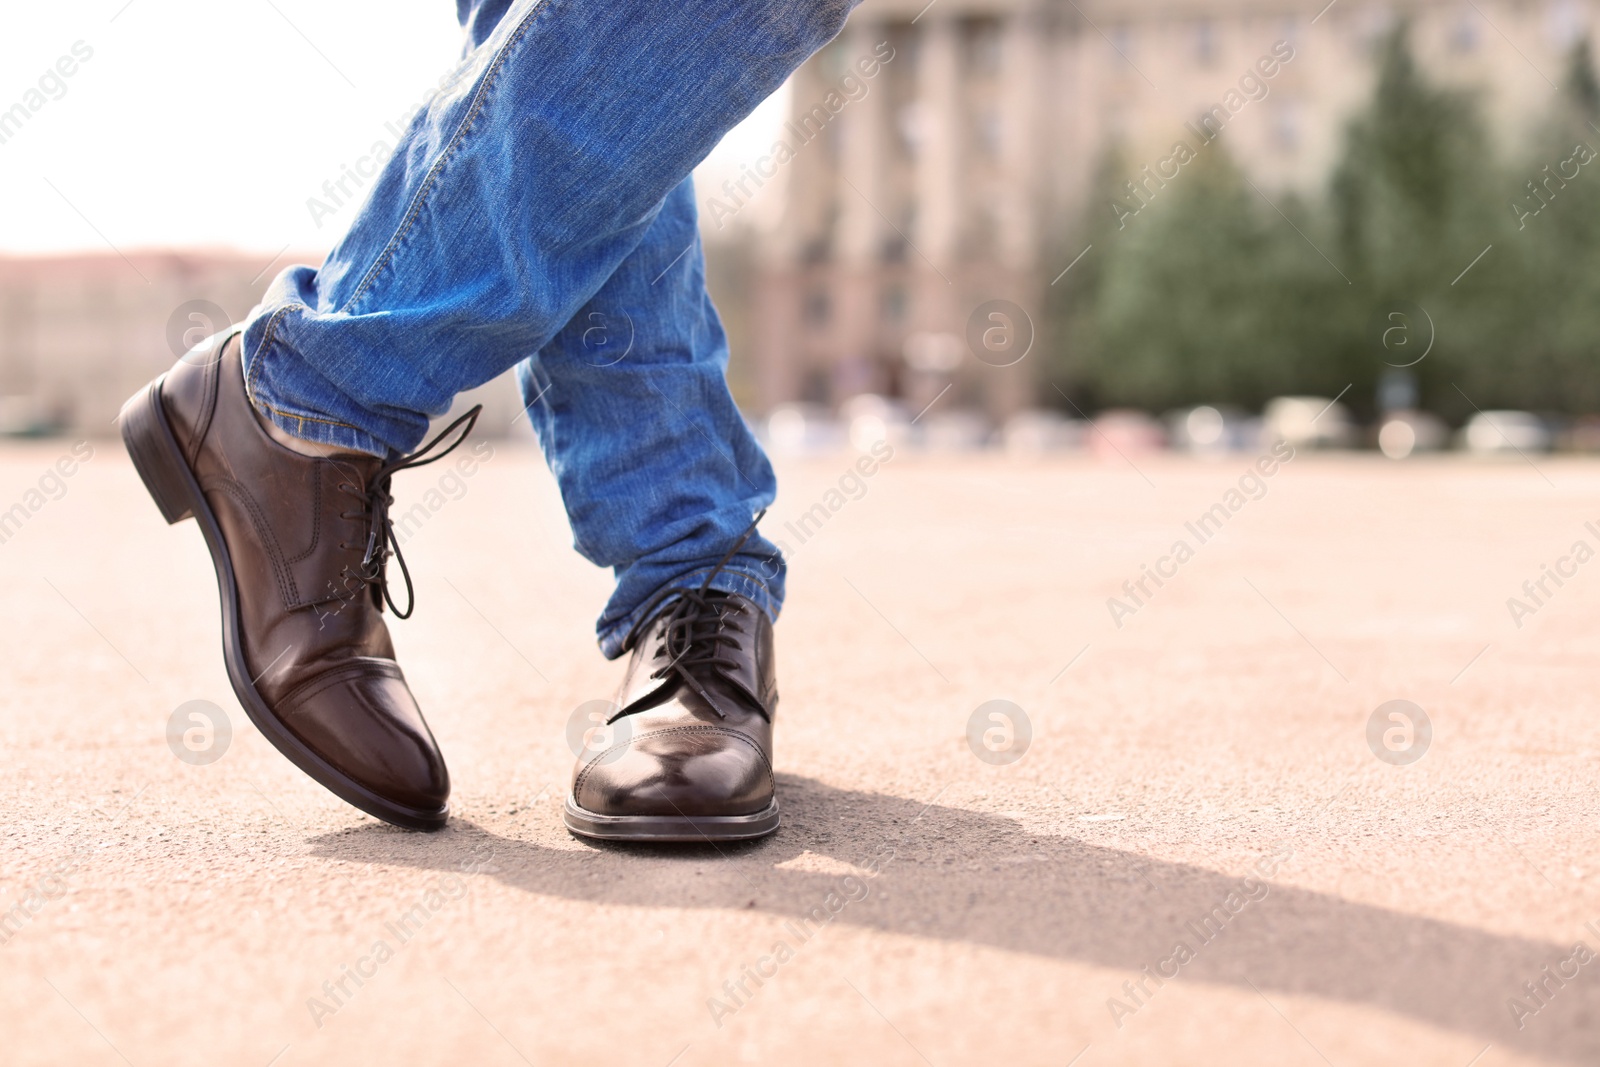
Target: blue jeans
point(538, 213)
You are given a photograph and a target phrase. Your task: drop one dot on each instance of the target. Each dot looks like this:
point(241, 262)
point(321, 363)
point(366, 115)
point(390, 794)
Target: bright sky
point(199, 123)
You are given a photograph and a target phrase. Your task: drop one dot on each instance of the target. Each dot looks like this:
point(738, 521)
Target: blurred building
point(957, 171)
point(79, 334)
point(937, 157)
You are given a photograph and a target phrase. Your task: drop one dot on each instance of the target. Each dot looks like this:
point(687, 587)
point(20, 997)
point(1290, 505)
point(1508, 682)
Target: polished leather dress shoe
point(300, 545)
point(691, 751)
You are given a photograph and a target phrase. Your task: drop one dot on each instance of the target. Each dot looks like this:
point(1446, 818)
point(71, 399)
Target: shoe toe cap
point(369, 727)
point(700, 770)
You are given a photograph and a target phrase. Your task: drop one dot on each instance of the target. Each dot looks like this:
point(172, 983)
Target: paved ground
point(1200, 776)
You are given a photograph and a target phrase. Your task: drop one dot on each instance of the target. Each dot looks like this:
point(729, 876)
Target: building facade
point(942, 156)
point(80, 334)
point(937, 157)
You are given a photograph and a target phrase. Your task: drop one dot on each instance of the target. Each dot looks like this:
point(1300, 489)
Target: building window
point(1564, 23)
point(1289, 31)
point(1205, 42)
point(817, 308)
point(983, 48)
point(900, 220)
point(1372, 26)
point(894, 304)
point(1286, 125)
point(816, 385)
point(833, 139)
point(1122, 41)
point(909, 122)
point(1117, 123)
point(986, 130)
point(983, 233)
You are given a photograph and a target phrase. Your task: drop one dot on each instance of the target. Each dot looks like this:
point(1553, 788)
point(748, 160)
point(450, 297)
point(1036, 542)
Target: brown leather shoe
point(300, 546)
point(691, 758)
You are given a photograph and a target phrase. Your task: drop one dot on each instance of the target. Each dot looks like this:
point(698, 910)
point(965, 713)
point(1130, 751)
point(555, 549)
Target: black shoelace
point(376, 501)
point(698, 629)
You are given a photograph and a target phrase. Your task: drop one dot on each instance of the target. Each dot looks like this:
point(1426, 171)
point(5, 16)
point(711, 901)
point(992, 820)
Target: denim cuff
point(614, 636)
point(262, 389)
point(323, 432)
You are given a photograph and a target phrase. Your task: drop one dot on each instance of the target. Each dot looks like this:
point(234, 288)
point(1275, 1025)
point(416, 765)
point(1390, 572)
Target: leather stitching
point(577, 786)
point(316, 514)
point(286, 586)
point(209, 382)
point(312, 686)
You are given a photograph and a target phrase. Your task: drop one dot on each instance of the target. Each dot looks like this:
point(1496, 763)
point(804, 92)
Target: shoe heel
point(155, 453)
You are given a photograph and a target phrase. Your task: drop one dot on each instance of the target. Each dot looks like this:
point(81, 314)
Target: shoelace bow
point(376, 501)
point(698, 629)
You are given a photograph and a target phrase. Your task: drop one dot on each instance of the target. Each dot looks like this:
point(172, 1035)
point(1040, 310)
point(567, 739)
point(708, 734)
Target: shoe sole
point(159, 460)
point(670, 828)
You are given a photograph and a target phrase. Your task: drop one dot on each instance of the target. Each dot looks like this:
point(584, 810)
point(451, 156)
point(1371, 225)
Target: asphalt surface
point(1198, 857)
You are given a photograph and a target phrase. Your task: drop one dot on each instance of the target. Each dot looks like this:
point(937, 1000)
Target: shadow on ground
point(963, 876)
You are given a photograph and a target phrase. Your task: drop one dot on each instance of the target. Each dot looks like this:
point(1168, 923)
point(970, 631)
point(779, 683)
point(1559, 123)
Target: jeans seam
point(428, 182)
point(252, 380)
point(253, 375)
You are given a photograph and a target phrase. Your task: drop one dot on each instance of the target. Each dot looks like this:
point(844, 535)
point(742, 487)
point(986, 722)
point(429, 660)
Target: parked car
point(1306, 422)
point(1208, 430)
point(1405, 433)
point(954, 431)
point(1035, 432)
point(1121, 432)
point(870, 418)
point(803, 429)
point(1490, 432)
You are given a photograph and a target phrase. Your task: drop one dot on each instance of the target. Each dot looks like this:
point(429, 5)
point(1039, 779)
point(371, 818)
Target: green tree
point(1553, 211)
point(1072, 328)
point(1208, 293)
point(1413, 201)
point(1205, 293)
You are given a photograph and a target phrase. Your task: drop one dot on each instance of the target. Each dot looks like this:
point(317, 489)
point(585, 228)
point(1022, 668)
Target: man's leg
point(515, 194)
point(611, 397)
point(660, 476)
point(657, 469)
